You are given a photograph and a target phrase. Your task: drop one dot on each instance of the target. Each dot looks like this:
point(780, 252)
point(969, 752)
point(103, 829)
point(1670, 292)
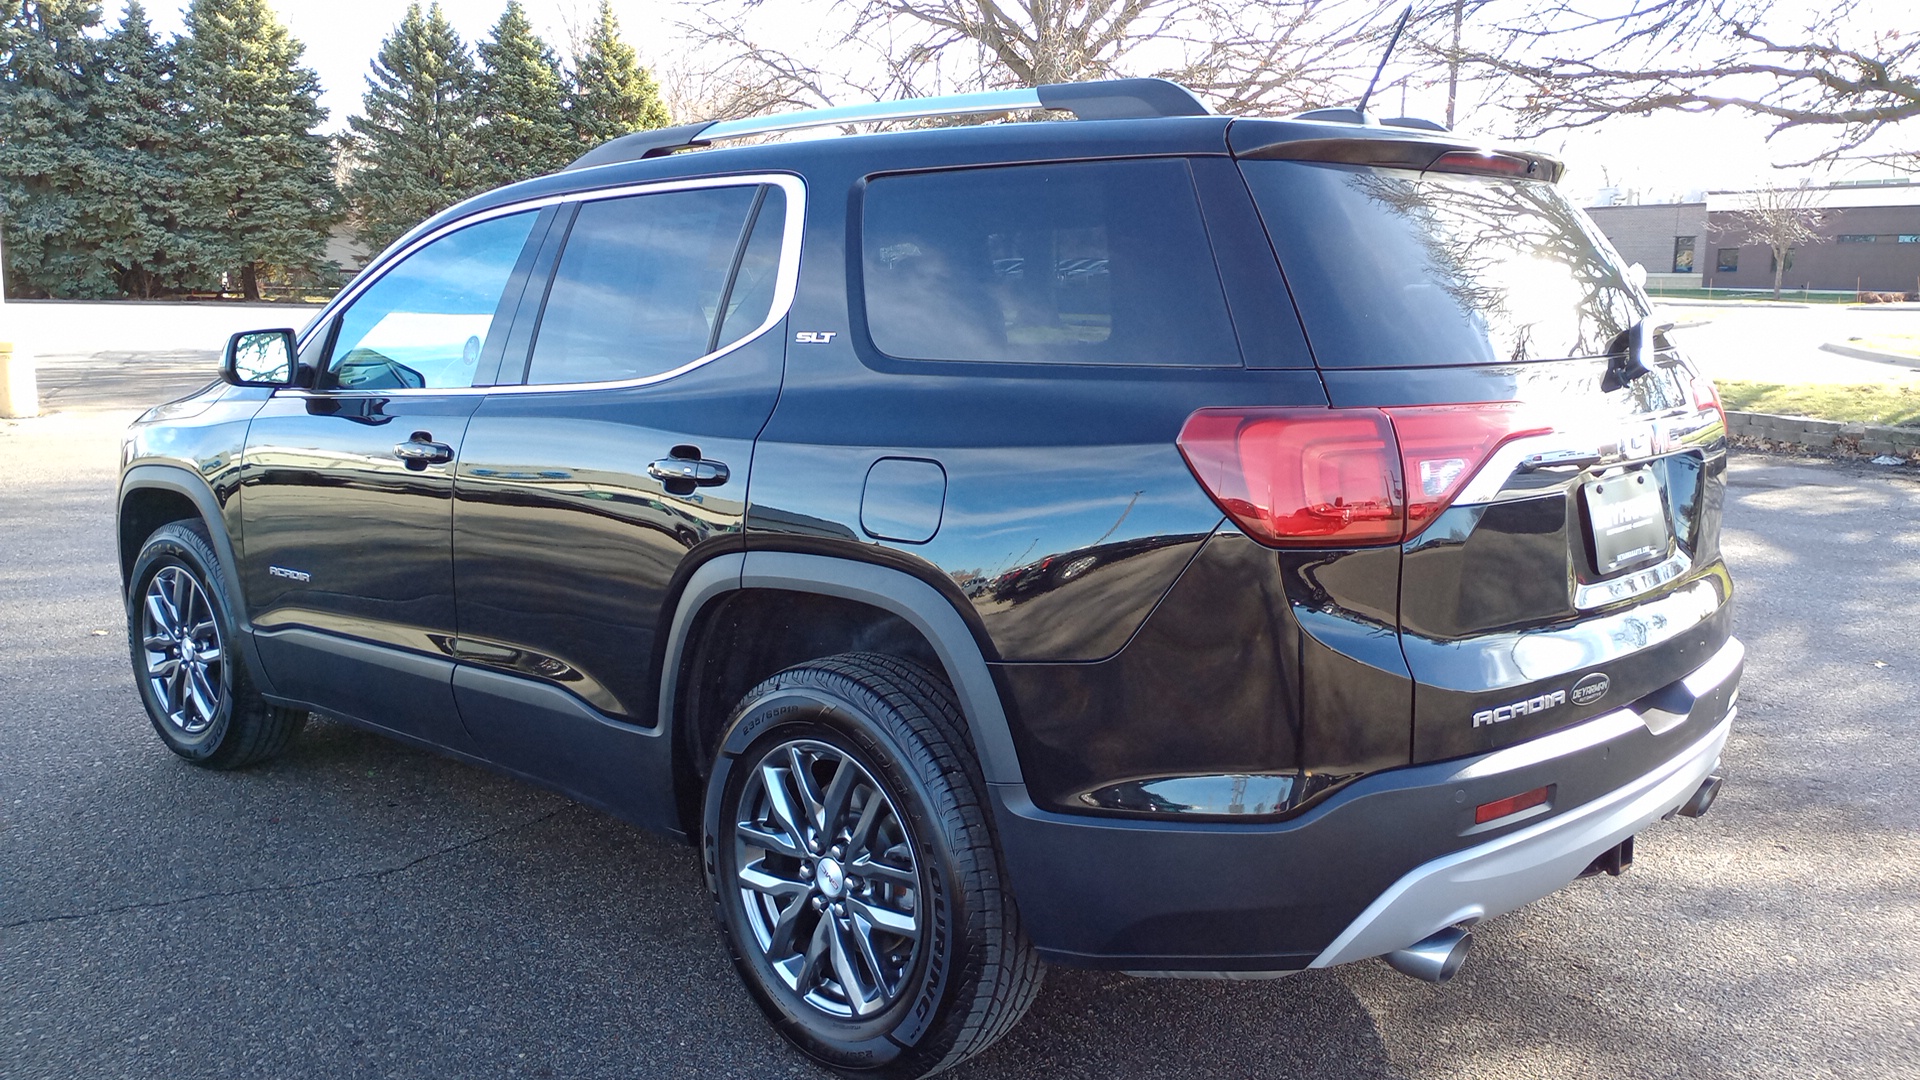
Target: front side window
point(427, 321)
point(647, 283)
point(1085, 263)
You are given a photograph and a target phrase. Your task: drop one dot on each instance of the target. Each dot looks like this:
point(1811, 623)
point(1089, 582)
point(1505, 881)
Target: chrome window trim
point(786, 282)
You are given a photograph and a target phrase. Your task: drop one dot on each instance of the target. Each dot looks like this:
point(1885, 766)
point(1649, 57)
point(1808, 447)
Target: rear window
point(1083, 263)
point(1393, 269)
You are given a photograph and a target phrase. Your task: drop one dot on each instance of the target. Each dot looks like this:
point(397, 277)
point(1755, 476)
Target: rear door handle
point(421, 451)
point(696, 471)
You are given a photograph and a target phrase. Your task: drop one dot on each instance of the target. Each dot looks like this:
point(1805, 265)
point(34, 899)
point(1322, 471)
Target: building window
point(1857, 238)
point(1910, 238)
point(1683, 254)
point(1727, 260)
point(1773, 261)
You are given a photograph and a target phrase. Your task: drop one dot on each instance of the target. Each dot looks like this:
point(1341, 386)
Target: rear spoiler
point(1422, 155)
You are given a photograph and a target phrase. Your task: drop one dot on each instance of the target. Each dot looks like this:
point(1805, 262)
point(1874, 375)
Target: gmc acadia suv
point(1156, 541)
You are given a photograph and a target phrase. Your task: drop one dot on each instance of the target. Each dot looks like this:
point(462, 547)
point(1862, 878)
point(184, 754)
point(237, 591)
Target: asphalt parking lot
point(362, 909)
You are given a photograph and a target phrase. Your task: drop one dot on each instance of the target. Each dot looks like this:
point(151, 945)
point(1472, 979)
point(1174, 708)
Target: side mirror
point(259, 358)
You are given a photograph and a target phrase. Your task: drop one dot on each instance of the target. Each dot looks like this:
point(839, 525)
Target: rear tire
point(854, 872)
point(184, 639)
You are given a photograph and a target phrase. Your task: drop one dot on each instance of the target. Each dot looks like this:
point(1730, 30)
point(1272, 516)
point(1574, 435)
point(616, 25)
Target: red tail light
point(1468, 161)
point(1705, 397)
point(1309, 477)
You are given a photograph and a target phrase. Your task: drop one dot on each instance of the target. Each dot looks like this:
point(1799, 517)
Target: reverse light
point(1507, 807)
point(1312, 477)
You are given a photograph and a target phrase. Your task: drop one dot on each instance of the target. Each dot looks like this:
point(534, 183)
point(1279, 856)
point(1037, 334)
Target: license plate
point(1628, 515)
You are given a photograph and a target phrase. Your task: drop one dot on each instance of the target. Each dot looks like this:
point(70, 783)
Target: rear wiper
point(1634, 360)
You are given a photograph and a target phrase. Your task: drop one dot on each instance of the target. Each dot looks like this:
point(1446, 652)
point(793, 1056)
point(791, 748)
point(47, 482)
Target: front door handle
point(697, 472)
point(420, 451)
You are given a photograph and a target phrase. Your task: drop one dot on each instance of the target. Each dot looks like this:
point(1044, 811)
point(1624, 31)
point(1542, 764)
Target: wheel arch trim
point(179, 481)
point(919, 604)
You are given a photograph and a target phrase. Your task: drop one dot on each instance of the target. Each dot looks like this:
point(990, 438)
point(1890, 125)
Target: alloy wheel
point(180, 639)
point(829, 879)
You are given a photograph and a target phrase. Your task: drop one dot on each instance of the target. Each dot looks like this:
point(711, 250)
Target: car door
point(618, 463)
point(347, 486)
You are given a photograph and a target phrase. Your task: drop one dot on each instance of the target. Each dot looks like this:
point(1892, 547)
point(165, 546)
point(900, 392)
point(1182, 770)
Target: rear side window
point(1392, 268)
point(1083, 263)
point(643, 283)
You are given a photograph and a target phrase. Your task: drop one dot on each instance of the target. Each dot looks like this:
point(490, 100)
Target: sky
point(1662, 157)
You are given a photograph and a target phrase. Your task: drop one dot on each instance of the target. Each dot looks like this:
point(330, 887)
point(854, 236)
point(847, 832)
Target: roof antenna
point(1397, 28)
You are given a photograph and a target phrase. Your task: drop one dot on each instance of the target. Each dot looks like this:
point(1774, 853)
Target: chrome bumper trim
point(1514, 870)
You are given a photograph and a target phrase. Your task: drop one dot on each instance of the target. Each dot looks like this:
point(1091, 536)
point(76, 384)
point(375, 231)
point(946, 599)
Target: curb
point(1859, 353)
point(1770, 305)
point(1871, 439)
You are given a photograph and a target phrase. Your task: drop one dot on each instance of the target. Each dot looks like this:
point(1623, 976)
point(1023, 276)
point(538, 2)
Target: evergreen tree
point(143, 187)
point(49, 159)
point(523, 118)
point(612, 94)
point(412, 149)
point(261, 196)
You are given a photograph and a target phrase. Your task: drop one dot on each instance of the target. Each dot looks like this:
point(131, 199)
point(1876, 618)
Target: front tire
point(854, 872)
point(183, 635)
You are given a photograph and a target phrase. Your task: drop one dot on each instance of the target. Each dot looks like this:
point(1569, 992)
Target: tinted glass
point(639, 285)
point(750, 297)
point(427, 321)
point(1088, 263)
point(1390, 269)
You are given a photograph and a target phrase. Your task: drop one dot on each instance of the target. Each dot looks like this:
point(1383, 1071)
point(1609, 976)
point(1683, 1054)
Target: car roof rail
point(1111, 99)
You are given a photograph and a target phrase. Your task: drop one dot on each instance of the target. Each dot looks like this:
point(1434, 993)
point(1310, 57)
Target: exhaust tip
point(1435, 958)
point(1702, 799)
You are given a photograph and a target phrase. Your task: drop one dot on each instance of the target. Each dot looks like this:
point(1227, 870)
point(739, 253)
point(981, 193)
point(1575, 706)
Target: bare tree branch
point(1779, 219)
point(1830, 69)
point(1245, 56)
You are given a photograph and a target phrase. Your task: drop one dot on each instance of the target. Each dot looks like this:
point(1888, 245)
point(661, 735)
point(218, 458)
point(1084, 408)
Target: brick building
point(1871, 241)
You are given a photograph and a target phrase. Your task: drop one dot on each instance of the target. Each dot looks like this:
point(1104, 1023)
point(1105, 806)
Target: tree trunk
point(1779, 271)
point(1453, 62)
point(250, 282)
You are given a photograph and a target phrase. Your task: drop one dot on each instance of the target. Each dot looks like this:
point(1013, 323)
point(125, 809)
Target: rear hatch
point(1560, 463)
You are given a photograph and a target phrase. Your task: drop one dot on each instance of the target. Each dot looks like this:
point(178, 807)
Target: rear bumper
point(1384, 863)
point(1517, 869)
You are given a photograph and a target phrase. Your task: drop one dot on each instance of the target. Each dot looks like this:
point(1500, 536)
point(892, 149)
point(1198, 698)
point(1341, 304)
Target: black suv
point(1157, 541)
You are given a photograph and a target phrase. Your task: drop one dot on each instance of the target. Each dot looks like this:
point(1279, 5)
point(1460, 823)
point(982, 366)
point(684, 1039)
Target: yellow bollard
point(19, 391)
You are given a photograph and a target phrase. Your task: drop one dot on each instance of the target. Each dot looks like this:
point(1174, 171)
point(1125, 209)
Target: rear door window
point(1392, 268)
point(1083, 263)
point(646, 283)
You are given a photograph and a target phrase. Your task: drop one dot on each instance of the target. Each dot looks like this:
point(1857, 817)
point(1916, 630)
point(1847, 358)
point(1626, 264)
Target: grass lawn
point(1898, 406)
point(1904, 344)
point(1792, 296)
